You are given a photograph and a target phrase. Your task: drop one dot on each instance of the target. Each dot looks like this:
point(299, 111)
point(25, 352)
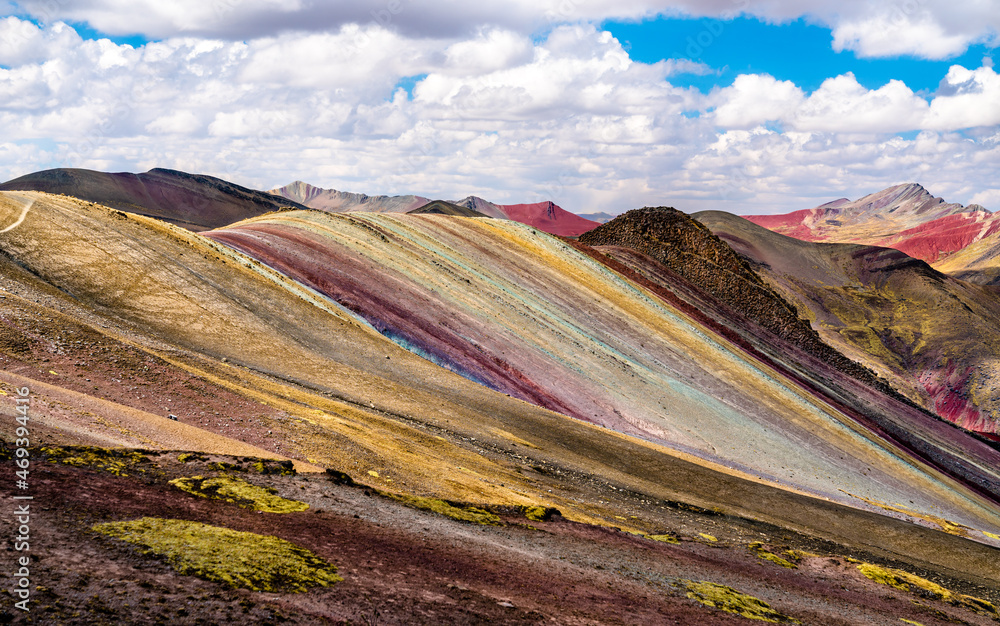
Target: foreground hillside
point(535, 318)
point(936, 337)
point(117, 322)
point(373, 559)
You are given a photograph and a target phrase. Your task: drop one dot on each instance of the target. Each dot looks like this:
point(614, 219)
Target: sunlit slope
point(65, 328)
point(193, 201)
point(183, 290)
point(936, 338)
point(979, 262)
point(530, 316)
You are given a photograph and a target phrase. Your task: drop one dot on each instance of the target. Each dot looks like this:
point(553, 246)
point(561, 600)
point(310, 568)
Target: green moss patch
point(238, 492)
point(906, 581)
point(222, 466)
point(534, 513)
point(731, 601)
point(762, 553)
point(461, 512)
point(117, 461)
point(237, 559)
point(539, 513)
point(273, 467)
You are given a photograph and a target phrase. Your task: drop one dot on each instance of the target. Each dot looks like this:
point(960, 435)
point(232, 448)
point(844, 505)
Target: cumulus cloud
point(369, 58)
point(842, 104)
point(755, 99)
point(22, 42)
point(932, 29)
point(577, 69)
point(239, 19)
point(568, 117)
point(966, 98)
point(897, 31)
point(489, 51)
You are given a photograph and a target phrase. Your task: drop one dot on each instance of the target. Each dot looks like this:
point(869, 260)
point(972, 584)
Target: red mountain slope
point(906, 218)
point(549, 217)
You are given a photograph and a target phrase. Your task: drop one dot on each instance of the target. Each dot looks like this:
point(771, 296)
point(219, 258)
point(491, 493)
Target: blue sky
point(797, 51)
point(599, 105)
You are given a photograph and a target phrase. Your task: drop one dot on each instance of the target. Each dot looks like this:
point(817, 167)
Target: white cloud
point(489, 51)
point(754, 99)
point(967, 98)
point(22, 42)
point(178, 122)
point(896, 31)
point(570, 117)
point(353, 58)
point(989, 198)
point(576, 69)
point(932, 29)
point(842, 104)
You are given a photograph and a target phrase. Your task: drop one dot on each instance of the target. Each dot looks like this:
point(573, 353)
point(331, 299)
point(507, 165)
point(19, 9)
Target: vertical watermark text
point(22, 500)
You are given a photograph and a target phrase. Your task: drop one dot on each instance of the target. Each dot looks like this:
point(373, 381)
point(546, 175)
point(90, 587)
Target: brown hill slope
point(935, 337)
point(193, 201)
point(733, 314)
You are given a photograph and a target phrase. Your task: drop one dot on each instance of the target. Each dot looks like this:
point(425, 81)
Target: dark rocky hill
point(440, 207)
point(691, 250)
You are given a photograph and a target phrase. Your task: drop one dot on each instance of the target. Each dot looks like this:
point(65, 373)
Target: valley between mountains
point(465, 412)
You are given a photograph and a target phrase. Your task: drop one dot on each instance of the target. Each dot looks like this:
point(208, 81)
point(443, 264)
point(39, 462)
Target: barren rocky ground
point(403, 565)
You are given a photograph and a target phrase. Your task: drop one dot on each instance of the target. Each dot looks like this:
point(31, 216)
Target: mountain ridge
point(907, 218)
point(544, 215)
point(194, 201)
point(930, 334)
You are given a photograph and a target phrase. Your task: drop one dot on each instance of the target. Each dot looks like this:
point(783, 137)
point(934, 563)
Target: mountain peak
point(342, 201)
point(906, 217)
point(910, 199)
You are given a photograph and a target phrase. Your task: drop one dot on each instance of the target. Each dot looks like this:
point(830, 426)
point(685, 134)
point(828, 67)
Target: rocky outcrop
point(691, 250)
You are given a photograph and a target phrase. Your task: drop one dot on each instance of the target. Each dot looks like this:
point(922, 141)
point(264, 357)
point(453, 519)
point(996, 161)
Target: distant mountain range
point(199, 202)
point(343, 201)
point(600, 218)
point(961, 241)
point(545, 216)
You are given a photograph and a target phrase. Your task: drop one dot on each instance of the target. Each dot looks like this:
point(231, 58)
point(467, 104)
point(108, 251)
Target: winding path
point(24, 214)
